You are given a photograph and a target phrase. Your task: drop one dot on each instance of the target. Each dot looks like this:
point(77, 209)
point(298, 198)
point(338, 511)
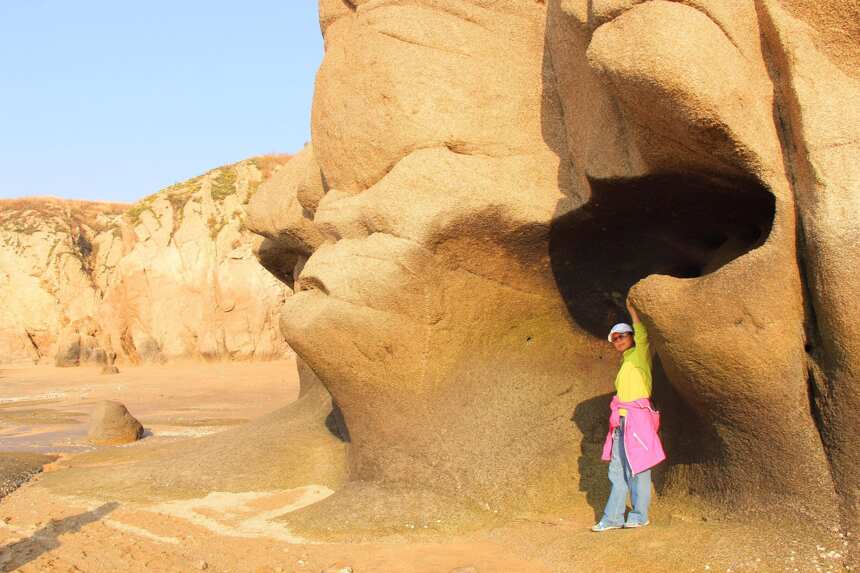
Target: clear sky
point(115, 99)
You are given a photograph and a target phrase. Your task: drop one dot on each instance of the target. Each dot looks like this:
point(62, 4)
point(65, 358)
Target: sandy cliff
point(172, 276)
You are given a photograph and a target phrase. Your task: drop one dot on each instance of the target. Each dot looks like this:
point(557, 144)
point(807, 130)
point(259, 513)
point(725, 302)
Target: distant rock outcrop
point(172, 276)
point(47, 276)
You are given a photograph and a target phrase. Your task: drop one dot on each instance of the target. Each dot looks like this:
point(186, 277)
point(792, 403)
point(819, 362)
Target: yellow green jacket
point(633, 380)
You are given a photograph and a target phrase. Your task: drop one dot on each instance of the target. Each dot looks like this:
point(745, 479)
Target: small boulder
point(111, 424)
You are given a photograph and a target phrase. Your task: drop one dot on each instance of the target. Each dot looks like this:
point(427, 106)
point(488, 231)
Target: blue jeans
point(623, 481)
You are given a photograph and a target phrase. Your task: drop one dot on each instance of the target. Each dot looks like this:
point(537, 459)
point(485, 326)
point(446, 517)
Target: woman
point(632, 446)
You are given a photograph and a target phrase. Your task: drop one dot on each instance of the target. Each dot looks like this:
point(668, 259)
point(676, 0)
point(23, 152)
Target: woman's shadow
point(590, 416)
point(19, 553)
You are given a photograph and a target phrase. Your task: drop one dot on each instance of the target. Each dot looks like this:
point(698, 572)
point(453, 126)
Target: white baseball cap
point(620, 327)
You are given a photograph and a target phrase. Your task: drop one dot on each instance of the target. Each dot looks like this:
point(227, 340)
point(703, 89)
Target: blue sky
point(114, 100)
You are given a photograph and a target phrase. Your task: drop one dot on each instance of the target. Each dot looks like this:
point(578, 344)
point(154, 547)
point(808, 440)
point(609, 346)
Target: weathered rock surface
point(18, 467)
point(172, 276)
point(498, 176)
point(111, 424)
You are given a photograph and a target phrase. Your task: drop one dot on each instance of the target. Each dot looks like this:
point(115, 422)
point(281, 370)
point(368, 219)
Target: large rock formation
point(172, 276)
point(487, 182)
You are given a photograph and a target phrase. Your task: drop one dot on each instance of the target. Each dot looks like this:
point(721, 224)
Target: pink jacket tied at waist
point(641, 442)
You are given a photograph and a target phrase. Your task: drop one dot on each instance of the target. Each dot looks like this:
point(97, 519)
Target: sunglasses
point(620, 336)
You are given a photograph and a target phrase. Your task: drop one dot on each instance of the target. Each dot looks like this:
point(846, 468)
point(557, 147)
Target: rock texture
point(46, 278)
point(16, 468)
point(497, 176)
point(172, 276)
point(111, 424)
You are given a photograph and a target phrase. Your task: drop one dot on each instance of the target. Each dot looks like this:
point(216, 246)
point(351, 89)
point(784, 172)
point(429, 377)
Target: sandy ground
point(44, 410)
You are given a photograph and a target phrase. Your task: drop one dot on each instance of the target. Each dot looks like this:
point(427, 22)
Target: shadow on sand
point(46, 539)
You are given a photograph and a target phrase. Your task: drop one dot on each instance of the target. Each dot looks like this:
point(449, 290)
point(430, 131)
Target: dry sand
point(44, 410)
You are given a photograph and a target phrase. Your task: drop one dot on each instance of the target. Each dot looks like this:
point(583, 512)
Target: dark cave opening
point(680, 225)
point(278, 259)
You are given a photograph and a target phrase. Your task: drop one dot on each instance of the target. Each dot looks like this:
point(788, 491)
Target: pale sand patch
point(29, 431)
point(186, 432)
point(140, 532)
point(20, 531)
point(240, 515)
point(52, 396)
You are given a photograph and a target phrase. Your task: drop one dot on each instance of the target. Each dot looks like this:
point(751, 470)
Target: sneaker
point(635, 524)
point(601, 526)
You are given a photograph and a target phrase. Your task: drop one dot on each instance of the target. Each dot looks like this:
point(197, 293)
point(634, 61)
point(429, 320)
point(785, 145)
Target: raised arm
point(632, 312)
point(640, 334)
